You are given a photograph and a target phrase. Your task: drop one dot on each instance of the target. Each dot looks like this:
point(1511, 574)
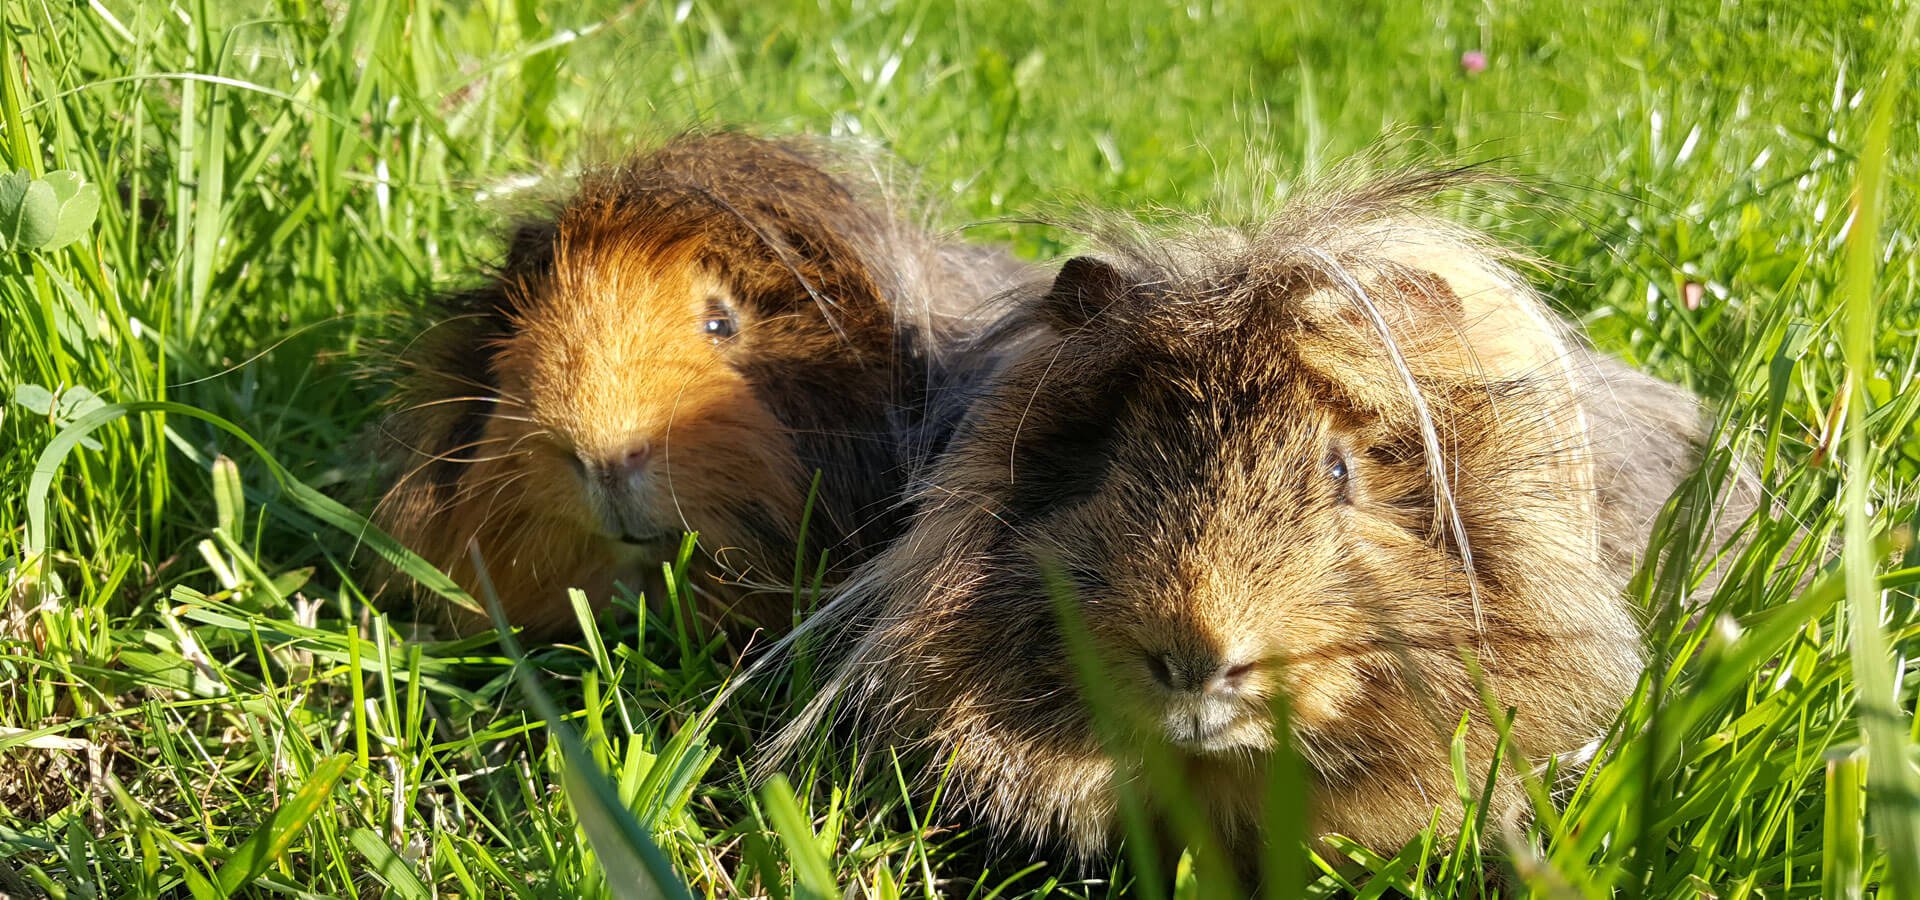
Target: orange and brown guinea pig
point(678, 348)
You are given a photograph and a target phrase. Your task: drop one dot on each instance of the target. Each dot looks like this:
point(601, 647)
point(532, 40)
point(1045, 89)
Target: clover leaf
point(45, 213)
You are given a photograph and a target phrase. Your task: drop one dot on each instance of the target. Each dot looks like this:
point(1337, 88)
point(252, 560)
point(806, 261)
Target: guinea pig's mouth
point(1211, 728)
point(646, 539)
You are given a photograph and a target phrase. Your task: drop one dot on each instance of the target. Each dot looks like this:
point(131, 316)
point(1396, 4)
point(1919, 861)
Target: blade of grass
point(1843, 854)
point(1895, 786)
point(634, 865)
point(1163, 776)
point(320, 506)
point(812, 873)
point(388, 866)
point(283, 827)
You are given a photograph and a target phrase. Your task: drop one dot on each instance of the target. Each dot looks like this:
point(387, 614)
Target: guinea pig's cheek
point(632, 564)
point(573, 500)
point(1321, 692)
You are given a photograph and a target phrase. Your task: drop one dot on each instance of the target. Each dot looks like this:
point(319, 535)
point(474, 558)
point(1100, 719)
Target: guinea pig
point(680, 347)
point(1331, 457)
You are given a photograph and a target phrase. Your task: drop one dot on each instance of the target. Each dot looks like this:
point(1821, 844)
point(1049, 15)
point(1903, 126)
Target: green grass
point(196, 698)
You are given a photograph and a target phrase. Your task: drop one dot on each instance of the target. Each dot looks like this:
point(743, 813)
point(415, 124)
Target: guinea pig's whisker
point(874, 437)
point(534, 434)
point(524, 420)
point(500, 397)
point(1436, 458)
point(968, 497)
point(784, 317)
point(486, 390)
point(495, 507)
point(444, 401)
point(1013, 450)
point(482, 442)
point(780, 252)
point(403, 488)
point(412, 448)
point(430, 456)
point(402, 483)
point(447, 505)
point(457, 503)
point(469, 490)
point(467, 487)
point(404, 355)
point(673, 417)
point(510, 453)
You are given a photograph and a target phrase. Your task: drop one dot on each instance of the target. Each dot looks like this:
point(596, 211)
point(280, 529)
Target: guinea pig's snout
point(630, 462)
point(1197, 673)
point(1208, 702)
point(617, 485)
point(618, 469)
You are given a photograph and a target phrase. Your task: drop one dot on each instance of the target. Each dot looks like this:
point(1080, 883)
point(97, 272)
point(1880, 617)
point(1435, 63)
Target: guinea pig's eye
point(1340, 470)
point(719, 322)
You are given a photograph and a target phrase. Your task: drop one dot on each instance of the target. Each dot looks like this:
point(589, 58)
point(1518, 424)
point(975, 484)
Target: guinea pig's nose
point(631, 461)
point(1197, 673)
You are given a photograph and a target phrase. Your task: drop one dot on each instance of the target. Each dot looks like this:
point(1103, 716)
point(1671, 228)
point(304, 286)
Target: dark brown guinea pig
point(1326, 457)
point(679, 347)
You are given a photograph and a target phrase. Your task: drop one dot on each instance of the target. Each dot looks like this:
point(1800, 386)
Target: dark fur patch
point(1063, 450)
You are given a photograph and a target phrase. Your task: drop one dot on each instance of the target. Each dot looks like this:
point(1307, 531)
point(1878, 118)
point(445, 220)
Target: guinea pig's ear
point(1085, 286)
point(1493, 325)
point(530, 248)
point(1494, 328)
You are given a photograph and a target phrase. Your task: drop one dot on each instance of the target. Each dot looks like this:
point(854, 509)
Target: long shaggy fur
point(588, 341)
point(1337, 453)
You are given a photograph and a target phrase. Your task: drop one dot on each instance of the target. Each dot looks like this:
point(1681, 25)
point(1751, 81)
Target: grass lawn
point(197, 699)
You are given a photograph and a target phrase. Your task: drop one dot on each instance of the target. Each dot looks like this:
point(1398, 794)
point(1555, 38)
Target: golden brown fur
point(1252, 490)
point(679, 348)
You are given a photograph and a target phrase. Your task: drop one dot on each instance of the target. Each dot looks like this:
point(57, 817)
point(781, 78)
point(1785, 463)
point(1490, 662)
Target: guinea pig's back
point(967, 291)
point(1646, 436)
point(968, 277)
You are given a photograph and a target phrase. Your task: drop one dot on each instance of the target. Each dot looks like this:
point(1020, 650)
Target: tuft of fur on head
point(1328, 456)
point(680, 346)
